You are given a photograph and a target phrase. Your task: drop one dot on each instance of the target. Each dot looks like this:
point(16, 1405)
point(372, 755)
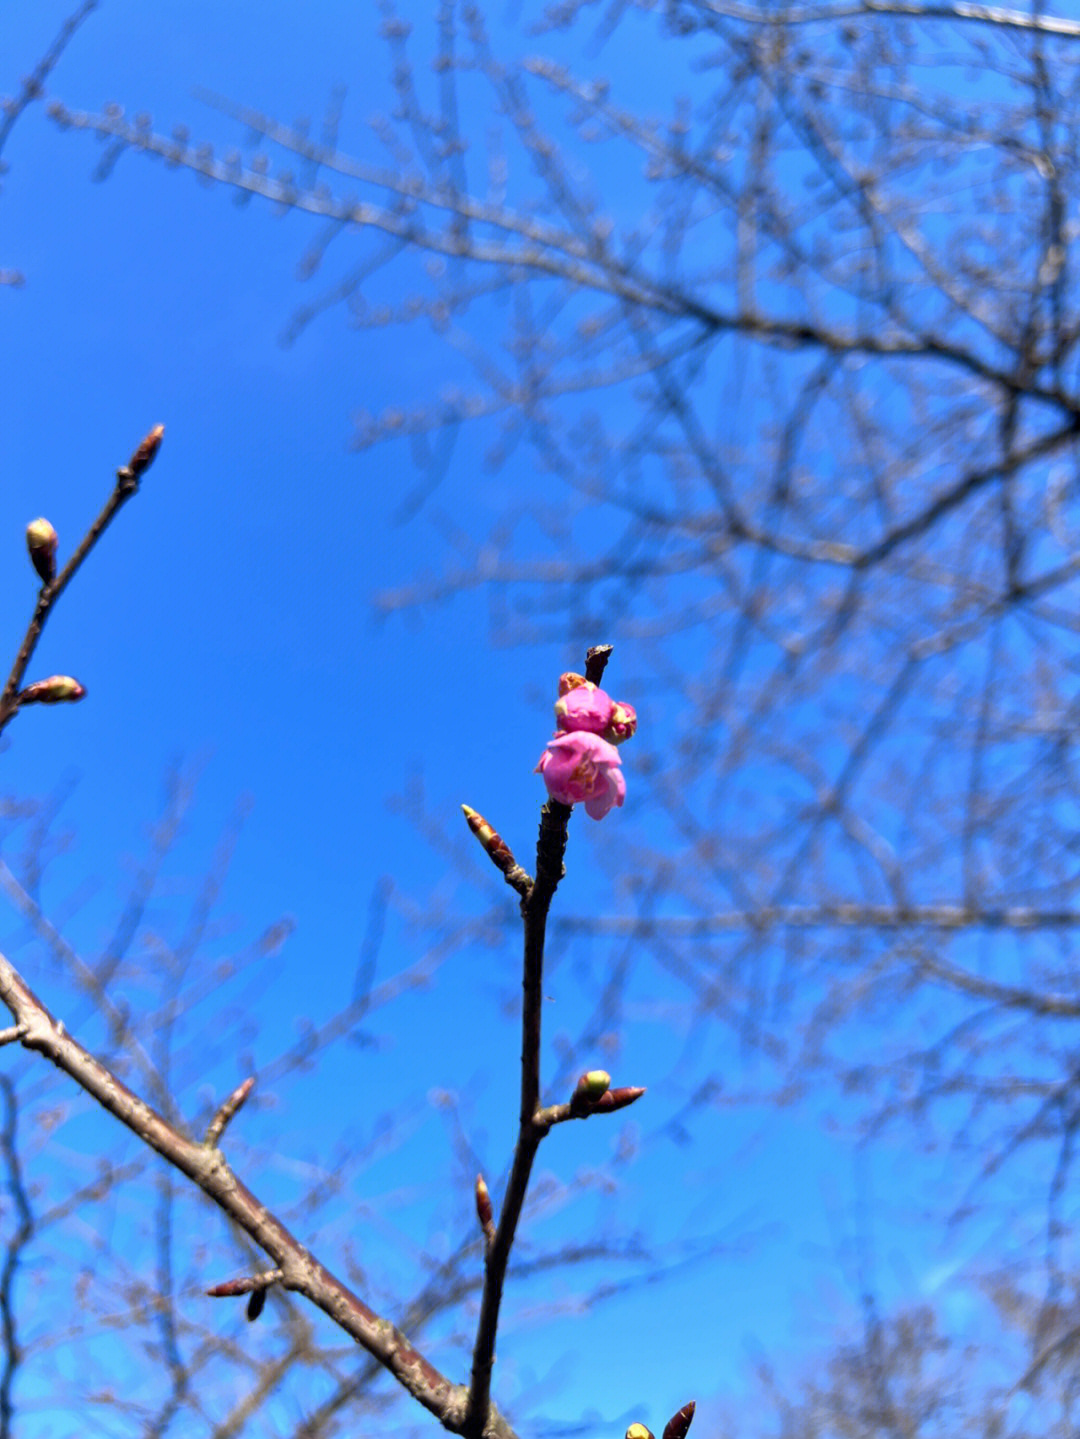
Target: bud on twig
point(639, 1431)
point(498, 850)
point(143, 457)
point(591, 1087)
point(41, 541)
point(484, 1211)
point(57, 689)
point(493, 842)
point(256, 1304)
point(679, 1423)
point(252, 1284)
point(618, 1099)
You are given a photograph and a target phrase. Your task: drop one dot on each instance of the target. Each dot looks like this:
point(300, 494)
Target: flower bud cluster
point(581, 764)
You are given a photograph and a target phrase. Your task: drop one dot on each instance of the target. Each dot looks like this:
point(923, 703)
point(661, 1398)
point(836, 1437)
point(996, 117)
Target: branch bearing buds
point(41, 541)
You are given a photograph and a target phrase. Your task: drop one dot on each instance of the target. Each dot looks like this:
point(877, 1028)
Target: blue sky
point(227, 621)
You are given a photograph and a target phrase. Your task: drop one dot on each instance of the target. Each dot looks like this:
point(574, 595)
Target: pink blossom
point(582, 767)
point(585, 707)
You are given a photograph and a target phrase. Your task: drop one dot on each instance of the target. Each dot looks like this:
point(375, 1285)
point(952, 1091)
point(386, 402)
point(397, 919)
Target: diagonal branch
point(210, 1171)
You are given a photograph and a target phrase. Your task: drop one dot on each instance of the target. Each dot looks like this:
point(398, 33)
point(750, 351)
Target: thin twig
point(533, 1123)
point(236, 1100)
point(127, 484)
point(16, 1243)
point(249, 1284)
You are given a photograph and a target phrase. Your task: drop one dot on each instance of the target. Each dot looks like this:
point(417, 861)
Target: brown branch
point(18, 1237)
point(34, 84)
point(945, 917)
point(960, 10)
point(550, 848)
point(531, 248)
point(533, 1123)
point(208, 1169)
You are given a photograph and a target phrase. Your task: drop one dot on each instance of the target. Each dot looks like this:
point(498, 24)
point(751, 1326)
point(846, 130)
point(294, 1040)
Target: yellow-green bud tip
point(593, 1086)
point(41, 541)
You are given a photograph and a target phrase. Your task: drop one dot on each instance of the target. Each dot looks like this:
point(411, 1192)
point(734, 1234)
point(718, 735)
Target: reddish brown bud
point(679, 1423)
point(229, 1288)
point(493, 842)
point(256, 1304)
point(57, 689)
point(143, 457)
point(41, 541)
point(617, 1099)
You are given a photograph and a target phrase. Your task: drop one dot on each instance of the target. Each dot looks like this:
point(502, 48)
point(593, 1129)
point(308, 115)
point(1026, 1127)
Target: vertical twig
point(24, 1229)
point(535, 905)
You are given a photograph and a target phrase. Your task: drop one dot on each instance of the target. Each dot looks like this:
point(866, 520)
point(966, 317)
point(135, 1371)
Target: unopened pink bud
point(622, 723)
point(584, 708)
point(41, 541)
point(57, 689)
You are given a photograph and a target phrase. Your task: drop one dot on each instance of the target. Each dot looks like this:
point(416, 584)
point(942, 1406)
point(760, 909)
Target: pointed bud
point(228, 1288)
point(571, 681)
point(483, 1203)
point(484, 1211)
point(41, 541)
point(679, 1423)
point(143, 457)
point(639, 1431)
point(618, 1099)
point(256, 1304)
point(592, 1086)
point(493, 842)
point(57, 689)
